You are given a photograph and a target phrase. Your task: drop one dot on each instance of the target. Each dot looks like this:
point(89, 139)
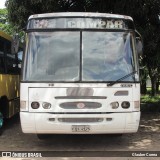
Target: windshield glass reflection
point(53, 56)
point(107, 56)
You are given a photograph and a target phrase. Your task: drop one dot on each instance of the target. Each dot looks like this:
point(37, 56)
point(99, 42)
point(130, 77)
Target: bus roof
point(80, 14)
point(5, 36)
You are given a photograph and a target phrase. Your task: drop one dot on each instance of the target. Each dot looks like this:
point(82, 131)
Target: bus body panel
point(80, 14)
point(42, 123)
point(57, 94)
point(58, 98)
point(59, 120)
point(9, 85)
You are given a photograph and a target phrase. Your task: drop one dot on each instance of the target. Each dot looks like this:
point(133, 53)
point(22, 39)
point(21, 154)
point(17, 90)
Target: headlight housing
point(35, 105)
point(114, 105)
point(125, 104)
point(46, 105)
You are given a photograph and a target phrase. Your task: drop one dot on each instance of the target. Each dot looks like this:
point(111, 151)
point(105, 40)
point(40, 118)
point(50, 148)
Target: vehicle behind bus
point(9, 79)
point(80, 74)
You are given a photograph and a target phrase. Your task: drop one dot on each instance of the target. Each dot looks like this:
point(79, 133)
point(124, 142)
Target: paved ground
point(146, 139)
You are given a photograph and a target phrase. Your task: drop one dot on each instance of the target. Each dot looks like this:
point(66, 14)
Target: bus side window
point(2, 66)
point(10, 64)
point(11, 60)
point(1, 46)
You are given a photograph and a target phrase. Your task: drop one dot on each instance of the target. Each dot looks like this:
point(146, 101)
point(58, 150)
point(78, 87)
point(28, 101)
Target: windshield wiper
point(126, 76)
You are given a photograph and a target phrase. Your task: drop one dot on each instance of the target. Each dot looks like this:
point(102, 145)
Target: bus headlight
point(125, 104)
point(46, 105)
point(114, 105)
point(35, 105)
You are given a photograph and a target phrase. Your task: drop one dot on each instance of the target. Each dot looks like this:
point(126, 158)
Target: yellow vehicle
point(9, 77)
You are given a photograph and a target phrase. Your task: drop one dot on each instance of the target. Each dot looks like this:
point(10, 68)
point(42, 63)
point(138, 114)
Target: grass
point(149, 99)
point(150, 103)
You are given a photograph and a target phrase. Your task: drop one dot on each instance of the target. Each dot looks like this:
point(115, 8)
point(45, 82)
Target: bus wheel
point(42, 136)
point(118, 135)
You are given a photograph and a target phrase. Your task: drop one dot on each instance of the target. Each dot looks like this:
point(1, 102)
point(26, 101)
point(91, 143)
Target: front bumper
point(48, 123)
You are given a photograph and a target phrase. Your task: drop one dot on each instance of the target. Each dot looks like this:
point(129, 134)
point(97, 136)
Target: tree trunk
point(143, 87)
point(157, 86)
point(143, 77)
point(153, 81)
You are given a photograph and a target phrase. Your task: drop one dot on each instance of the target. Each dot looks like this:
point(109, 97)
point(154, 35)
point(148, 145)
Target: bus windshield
point(87, 56)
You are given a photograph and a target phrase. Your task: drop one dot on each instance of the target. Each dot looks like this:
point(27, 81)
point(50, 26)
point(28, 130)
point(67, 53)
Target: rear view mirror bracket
point(15, 44)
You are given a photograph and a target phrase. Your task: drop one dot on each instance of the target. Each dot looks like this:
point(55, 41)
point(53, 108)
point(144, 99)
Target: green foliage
point(146, 14)
point(150, 99)
point(3, 16)
point(19, 11)
point(150, 103)
point(6, 27)
point(3, 11)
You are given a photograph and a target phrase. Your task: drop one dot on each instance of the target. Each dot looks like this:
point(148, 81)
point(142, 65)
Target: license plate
point(80, 128)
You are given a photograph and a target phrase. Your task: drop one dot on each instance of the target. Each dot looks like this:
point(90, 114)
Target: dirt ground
point(146, 139)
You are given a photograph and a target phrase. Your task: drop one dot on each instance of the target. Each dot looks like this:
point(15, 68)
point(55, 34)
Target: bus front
point(80, 75)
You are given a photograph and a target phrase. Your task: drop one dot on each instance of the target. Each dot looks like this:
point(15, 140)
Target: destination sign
point(82, 23)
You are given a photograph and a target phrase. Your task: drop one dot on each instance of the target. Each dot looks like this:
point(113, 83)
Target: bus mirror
point(139, 46)
point(15, 44)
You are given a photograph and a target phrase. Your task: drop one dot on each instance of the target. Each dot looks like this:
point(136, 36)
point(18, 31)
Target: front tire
point(42, 136)
point(118, 135)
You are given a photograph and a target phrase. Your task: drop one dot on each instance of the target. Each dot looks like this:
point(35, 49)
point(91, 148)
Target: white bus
point(80, 75)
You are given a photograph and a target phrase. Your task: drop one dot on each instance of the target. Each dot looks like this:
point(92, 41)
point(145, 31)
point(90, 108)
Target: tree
point(3, 16)
point(146, 14)
point(4, 25)
point(20, 10)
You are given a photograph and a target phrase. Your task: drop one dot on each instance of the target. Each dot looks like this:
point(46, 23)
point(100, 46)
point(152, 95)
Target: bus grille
point(80, 105)
point(80, 120)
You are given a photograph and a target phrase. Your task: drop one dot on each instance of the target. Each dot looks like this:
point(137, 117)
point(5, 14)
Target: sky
point(2, 2)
